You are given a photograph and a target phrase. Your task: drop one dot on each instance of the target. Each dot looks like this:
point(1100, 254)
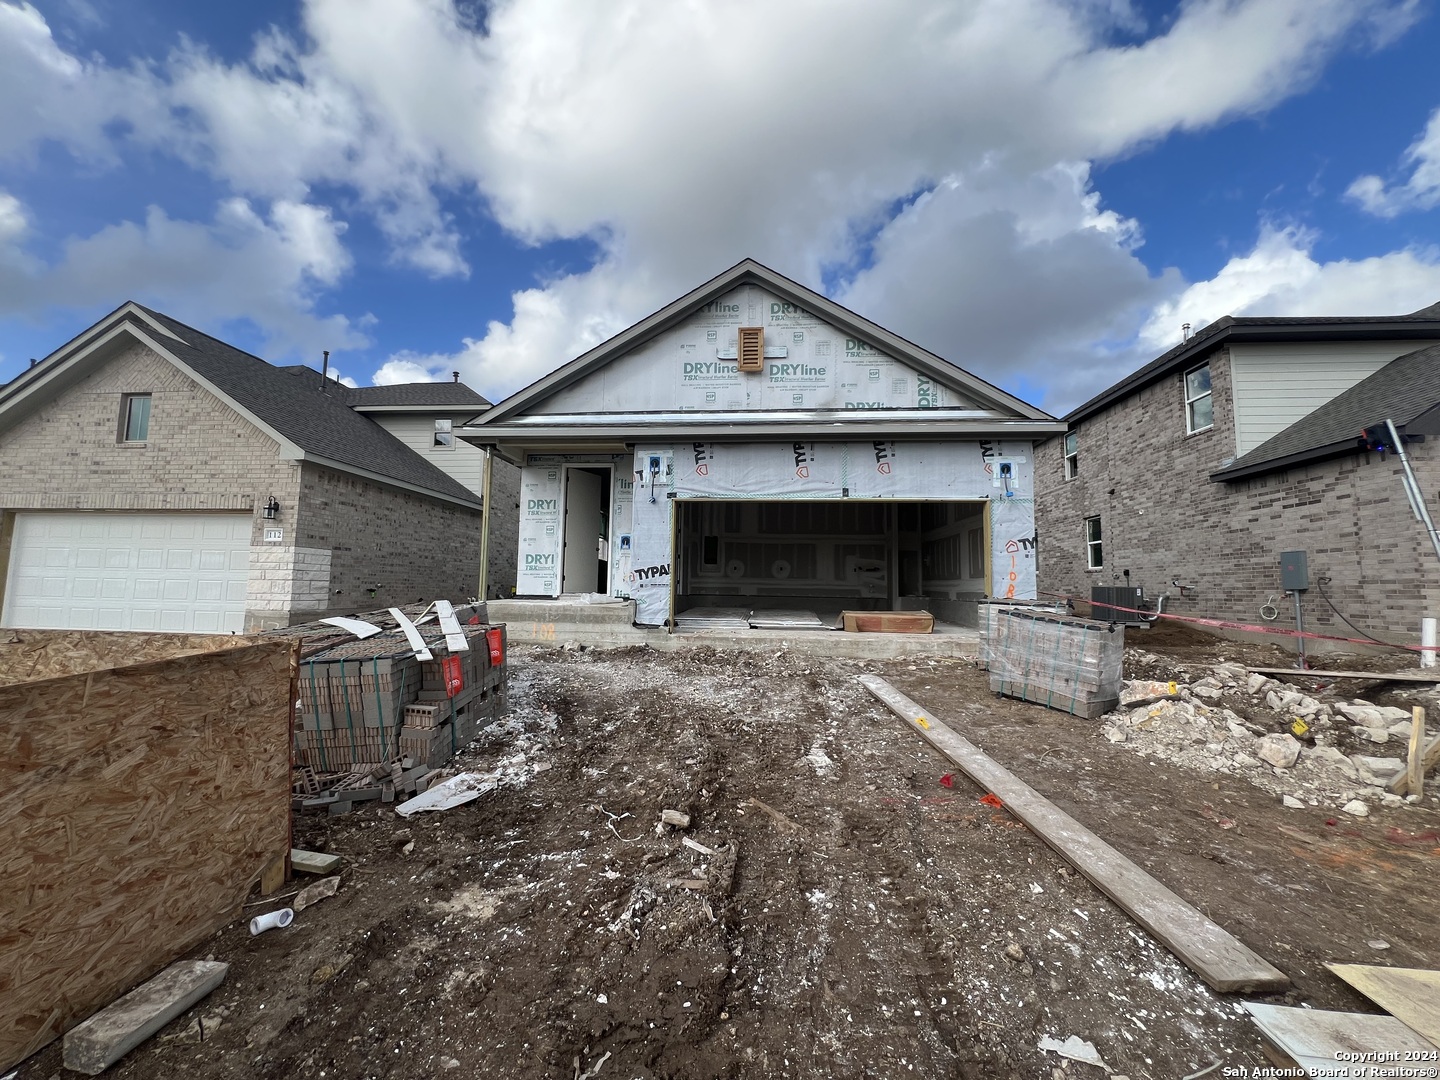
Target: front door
point(585, 548)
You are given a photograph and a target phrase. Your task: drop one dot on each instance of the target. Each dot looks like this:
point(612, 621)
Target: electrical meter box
point(1294, 571)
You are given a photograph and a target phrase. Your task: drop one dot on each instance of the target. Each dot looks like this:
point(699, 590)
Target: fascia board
point(438, 410)
point(979, 429)
point(48, 376)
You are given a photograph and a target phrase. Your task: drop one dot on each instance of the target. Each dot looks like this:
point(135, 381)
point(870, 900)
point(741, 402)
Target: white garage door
point(109, 571)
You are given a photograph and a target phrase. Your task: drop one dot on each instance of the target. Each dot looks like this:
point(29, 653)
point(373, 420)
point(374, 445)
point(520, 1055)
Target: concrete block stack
point(373, 702)
point(1073, 665)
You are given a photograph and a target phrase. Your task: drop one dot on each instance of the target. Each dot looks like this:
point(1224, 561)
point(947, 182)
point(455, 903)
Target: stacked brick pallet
point(989, 611)
point(372, 702)
point(1064, 663)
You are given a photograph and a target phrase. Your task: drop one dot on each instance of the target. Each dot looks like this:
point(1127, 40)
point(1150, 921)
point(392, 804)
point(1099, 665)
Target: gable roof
point(311, 422)
point(1402, 391)
point(413, 395)
point(1424, 323)
point(750, 272)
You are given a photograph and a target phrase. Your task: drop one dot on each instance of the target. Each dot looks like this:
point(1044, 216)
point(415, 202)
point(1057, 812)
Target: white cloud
point(1421, 191)
point(679, 138)
point(1280, 276)
point(241, 265)
point(50, 95)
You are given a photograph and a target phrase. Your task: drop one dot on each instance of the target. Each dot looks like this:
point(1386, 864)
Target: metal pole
point(1427, 641)
point(1300, 628)
point(1412, 488)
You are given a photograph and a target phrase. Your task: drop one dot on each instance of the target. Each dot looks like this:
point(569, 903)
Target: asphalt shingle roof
point(438, 394)
point(318, 420)
point(1194, 346)
point(1400, 391)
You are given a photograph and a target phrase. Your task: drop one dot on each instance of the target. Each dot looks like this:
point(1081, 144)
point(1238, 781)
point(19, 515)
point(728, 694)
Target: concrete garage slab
point(610, 625)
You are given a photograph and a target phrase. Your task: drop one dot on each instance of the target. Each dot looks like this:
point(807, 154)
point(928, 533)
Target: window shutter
point(751, 351)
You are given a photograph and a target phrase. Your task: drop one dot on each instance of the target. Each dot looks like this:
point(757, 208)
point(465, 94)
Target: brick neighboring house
point(155, 478)
point(425, 417)
point(1240, 443)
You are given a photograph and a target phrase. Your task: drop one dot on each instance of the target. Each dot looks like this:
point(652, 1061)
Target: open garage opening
point(822, 557)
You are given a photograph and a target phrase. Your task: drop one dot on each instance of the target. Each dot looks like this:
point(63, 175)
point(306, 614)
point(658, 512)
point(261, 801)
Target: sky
point(1040, 191)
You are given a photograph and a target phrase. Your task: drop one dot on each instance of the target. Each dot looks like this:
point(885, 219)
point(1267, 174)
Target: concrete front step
point(611, 626)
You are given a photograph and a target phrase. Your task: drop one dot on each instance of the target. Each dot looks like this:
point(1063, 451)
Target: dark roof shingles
point(438, 394)
point(1142, 375)
point(1399, 391)
point(319, 421)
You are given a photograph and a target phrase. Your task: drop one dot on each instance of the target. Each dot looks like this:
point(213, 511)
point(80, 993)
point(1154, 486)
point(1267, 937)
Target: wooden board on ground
point(1223, 962)
point(888, 622)
point(1315, 1040)
point(1372, 676)
point(1411, 995)
point(1400, 784)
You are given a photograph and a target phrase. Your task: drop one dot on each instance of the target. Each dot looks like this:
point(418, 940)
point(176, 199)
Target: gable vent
point(751, 348)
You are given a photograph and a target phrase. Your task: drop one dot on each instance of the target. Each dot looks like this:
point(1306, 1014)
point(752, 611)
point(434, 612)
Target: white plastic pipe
point(282, 918)
point(1427, 639)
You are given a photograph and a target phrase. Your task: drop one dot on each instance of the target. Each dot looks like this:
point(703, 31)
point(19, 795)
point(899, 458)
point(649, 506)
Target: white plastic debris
point(1076, 1049)
point(458, 790)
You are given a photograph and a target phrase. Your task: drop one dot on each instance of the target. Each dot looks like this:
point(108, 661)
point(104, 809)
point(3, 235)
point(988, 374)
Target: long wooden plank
point(1223, 962)
point(1411, 995)
point(1372, 676)
point(1319, 1041)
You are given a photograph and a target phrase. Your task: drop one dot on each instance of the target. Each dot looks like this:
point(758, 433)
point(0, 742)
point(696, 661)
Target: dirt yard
point(857, 918)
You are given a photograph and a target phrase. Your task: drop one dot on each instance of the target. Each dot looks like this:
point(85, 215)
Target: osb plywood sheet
point(26, 655)
point(137, 806)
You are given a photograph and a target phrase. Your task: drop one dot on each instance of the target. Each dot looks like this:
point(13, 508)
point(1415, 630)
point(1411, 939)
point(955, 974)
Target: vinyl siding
point(1275, 385)
point(464, 462)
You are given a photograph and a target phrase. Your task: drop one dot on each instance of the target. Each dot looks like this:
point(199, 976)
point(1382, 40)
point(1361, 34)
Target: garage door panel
point(157, 572)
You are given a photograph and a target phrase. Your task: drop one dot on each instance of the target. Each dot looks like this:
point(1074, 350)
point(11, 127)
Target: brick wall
point(387, 546)
point(1163, 519)
point(201, 455)
point(503, 555)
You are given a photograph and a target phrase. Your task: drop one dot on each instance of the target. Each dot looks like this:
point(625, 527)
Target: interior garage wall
point(998, 473)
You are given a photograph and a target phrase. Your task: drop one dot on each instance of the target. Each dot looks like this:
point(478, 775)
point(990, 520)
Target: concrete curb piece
point(99, 1042)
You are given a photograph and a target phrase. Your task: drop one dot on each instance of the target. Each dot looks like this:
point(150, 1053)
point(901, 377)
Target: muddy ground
point(860, 918)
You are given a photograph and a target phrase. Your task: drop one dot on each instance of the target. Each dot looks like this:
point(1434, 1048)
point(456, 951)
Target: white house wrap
point(851, 467)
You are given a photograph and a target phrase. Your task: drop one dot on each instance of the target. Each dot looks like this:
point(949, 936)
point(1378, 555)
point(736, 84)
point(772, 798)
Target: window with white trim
point(134, 418)
point(1094, 557)
point(1072, 455)
point(444, 436)
point(1199, 404)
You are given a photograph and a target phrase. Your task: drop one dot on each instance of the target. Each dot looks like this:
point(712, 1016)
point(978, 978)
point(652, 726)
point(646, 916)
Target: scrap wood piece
point(1400, 782)
point(1369, 676)
point(1315, 1039)
point(1415, 753)
point(313, 894)
point(106, 1037)
point(780, 819)
point(1206, 948)
point(1411, 995)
